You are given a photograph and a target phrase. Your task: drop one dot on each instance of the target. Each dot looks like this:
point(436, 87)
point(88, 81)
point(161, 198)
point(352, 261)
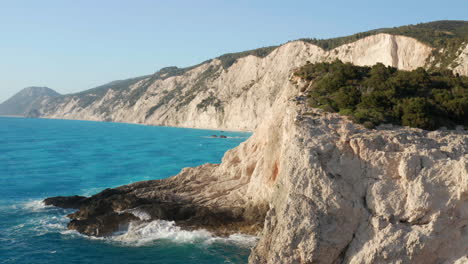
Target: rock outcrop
point(345, 194)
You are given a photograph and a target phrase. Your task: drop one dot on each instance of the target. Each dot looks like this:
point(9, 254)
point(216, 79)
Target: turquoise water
point(40, 158)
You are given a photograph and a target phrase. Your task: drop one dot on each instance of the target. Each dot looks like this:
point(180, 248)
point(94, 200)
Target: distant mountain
point(25, 101)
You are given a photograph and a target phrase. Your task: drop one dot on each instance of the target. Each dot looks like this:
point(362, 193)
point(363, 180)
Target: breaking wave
point(35, 205)
point(138, 233)
point(144, 233)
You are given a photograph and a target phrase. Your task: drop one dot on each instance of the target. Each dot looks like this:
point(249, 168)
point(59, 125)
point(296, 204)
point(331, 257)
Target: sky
point(74, 45)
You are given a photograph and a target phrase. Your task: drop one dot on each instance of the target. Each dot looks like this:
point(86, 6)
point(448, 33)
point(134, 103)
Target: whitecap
point(142, 233)
point(35, 205)
point(75, 234)
point(237, 239)
point(142, 215)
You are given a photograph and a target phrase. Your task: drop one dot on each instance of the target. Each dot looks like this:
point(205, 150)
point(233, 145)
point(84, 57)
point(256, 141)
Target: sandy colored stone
point(247, 90)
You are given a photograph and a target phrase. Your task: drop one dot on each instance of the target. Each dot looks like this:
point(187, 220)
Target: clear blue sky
point(71, 45)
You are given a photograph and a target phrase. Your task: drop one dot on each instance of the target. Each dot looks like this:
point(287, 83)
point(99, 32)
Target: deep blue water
point(40, 158)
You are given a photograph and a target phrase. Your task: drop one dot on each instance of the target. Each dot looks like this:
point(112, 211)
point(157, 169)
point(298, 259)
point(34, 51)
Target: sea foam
point(35, 205)
point(144, 233)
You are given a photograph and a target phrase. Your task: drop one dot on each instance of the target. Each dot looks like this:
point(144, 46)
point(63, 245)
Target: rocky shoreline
point(112, 210)
point(316, 188)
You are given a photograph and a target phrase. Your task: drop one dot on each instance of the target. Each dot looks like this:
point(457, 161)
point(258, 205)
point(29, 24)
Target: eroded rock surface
point(316, 187)
point(236, 98)
point(350, 195)
point(324, 190)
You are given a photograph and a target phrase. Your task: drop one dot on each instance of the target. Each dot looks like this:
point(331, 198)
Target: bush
point(380, 94)
point(368, 125)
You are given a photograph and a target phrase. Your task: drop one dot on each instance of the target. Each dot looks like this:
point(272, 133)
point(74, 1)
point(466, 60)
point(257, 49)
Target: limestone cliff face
point(319, 188)
point(461, 62)
point(339, 193)
point(344, 194)
point(236, 98)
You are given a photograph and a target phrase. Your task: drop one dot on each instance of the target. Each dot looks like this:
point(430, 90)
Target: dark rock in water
point(102, 225)
point(188, 203)
point(222, 136)
point(70, 202)
point(214, 136)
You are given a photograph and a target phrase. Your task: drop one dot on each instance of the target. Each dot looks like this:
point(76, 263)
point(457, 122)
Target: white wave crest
point(35, 205)
point(142, 233)
point(238, 239)
point(142, 215)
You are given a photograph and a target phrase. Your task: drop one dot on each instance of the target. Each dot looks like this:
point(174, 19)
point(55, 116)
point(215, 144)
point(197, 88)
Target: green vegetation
point(437, 34)
point(186, 97)
point(227, 60)
point(446, 35)
point(443, 35)
point(87, 97)
point(380, 94)
point(211, 100)
point(122, 88)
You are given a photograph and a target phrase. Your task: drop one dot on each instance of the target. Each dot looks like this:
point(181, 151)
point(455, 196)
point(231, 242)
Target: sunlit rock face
point(236, 98)
point(315, 187)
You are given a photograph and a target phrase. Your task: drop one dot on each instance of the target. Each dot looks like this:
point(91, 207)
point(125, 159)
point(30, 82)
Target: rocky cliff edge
point(316, 188)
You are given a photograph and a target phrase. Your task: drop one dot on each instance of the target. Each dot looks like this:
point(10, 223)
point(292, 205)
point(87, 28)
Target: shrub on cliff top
point(380, 94)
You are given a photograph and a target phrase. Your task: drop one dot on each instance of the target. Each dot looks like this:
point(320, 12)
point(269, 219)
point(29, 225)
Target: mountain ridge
point(205, 96)
point(23, 102)
point(229, 58)
point(101, 103)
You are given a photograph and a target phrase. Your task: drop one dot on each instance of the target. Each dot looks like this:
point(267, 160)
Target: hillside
point(25, 101)
point(436, 34)
point(447, 37)
point(225, 92)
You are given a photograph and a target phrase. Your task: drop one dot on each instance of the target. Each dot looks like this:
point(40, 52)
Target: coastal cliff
point(233, 98)
point(314, 186)
point(317, 188)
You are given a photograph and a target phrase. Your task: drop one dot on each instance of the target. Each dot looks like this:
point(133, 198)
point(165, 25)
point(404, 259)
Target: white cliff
point(461, 62)
point(236, 98)
point(344, 194)
point(339, 193)
point(324, 189)
point(335, 192)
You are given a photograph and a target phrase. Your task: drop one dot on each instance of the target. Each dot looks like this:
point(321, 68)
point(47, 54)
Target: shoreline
point(14, 116)
point(142, 124)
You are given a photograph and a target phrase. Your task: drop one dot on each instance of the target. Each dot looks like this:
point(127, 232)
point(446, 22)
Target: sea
point(40, 158)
